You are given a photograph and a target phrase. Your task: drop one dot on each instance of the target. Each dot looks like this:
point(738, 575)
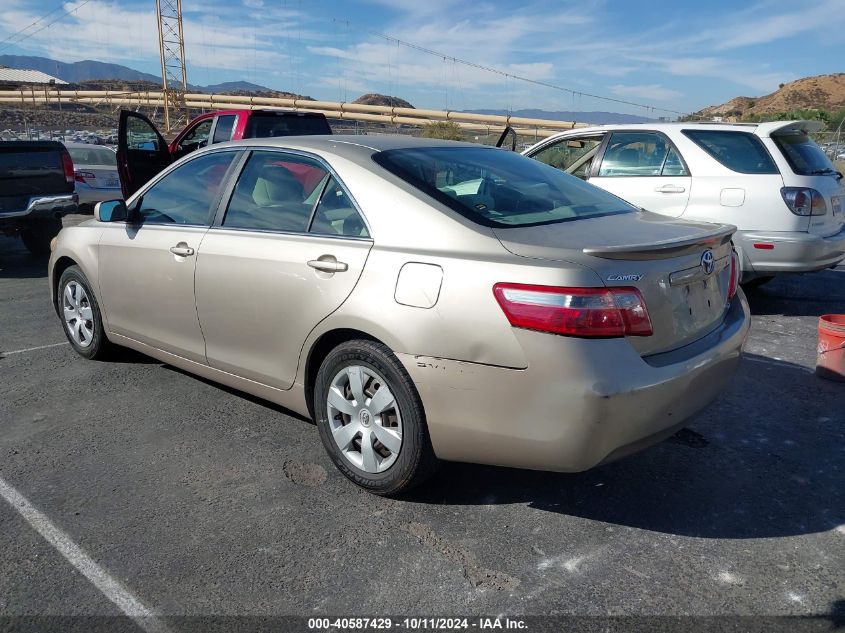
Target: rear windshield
point(738, 151)
point(499, 188)
point(803, 155)
point(266, 126)
point(92, 156)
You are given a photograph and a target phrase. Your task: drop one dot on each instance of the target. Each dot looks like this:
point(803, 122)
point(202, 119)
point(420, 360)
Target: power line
point(28, 35)
point(506, 74)
point(43, 17)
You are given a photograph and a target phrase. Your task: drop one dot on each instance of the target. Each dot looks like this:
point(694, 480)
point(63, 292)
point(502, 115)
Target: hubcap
point(78, 315)
point(364, 419)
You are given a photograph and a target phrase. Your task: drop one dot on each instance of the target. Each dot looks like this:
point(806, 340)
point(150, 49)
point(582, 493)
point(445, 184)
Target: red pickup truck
point(142, 151)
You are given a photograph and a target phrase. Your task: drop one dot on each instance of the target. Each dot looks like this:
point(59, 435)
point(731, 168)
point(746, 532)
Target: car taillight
point(804, 201)
point(67, 166)
point(82, 175)
point(587, 312)
point(734, 282)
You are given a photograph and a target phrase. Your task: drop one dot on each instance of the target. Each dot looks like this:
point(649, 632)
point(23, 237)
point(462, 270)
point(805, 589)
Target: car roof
point(761, 129)
point(349, 143)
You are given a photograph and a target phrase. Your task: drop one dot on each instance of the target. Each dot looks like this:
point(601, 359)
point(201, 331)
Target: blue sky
point(680, 56)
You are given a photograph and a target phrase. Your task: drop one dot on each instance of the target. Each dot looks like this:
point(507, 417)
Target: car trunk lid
point(98, 176)
point(681, 268)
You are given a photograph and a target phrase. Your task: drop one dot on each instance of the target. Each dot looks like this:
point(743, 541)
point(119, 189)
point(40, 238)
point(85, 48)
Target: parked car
point(769, 179)
point(142, 151)
point(95, 171)
point(420, 299)
point(36, 190)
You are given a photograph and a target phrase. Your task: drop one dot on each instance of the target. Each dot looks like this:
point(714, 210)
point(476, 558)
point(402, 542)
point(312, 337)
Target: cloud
point(649, 92)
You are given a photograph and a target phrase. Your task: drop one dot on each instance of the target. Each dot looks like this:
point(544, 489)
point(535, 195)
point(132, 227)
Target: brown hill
point(372, 98)
point(822, 92)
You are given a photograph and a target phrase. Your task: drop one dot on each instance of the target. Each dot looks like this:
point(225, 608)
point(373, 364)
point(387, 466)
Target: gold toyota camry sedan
point(421, 300)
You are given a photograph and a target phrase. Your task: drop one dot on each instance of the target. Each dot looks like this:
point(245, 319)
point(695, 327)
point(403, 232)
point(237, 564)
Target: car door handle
point(328, 265)
point(182, 250)
point(670, 189)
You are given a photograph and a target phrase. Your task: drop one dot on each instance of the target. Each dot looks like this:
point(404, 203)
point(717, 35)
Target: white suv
point(770, 180)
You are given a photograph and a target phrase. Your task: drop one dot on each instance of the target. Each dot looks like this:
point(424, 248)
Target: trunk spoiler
point(720, 234)
point(775, 128)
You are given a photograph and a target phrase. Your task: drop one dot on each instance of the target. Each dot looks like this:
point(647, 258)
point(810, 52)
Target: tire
point(379, 469)
point(757, 282)
point(38, 235)
point(88, 338)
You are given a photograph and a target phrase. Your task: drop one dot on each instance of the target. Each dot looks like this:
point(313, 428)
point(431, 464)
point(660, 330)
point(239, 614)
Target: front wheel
point(371, 419)
point(80, 314)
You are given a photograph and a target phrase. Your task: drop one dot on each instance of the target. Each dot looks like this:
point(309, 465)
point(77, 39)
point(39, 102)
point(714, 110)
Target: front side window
point(185, 195)
point(803, 155)
point(498, 188)
point(738, 151)
point(275, 192)
point(140, 135)
point(570, 155)
point(196, 137)
point(640, 154)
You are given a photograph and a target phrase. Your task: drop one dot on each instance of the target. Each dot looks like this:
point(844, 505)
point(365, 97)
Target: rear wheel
point(36, 237)
point(371, 419)
point(80, 314)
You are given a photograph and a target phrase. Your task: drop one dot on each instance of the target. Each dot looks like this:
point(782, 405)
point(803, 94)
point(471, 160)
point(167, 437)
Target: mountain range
point(76, 72)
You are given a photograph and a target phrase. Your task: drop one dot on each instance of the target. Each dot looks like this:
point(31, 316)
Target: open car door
point(142, 151)
point(507, 139)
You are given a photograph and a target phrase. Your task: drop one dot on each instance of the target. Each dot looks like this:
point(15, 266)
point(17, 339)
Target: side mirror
point(111, 211)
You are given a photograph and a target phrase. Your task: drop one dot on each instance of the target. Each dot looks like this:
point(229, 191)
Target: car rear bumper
point(791, 253)
point(91, 195)
point(579, 403)
point(40, 207)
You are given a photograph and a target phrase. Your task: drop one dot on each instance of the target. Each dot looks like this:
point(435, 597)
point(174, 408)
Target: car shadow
point(243, 395)
point(17, 263)
point(750, 466)
point(811, 294)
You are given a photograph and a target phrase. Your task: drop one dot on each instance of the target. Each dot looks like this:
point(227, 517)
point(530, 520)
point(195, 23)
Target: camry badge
point(632, 277)
point(708, 262)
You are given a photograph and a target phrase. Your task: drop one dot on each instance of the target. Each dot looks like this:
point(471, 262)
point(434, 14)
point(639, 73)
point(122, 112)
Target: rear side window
point(803, 155)
point(640, 154)
point(223, 131)
point(275, 192)
point(271, 125)
point(335, 213)
point(738, 151)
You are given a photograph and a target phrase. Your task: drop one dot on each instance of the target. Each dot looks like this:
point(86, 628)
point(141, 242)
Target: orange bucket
point(831, 360)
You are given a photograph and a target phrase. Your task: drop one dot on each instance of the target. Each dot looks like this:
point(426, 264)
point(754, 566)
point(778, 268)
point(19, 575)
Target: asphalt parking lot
point(198, 500)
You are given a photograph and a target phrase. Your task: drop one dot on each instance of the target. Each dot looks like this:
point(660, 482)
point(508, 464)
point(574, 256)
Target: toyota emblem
point(708, 262)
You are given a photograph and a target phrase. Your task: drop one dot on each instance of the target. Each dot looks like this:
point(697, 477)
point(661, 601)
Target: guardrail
point(331, 109)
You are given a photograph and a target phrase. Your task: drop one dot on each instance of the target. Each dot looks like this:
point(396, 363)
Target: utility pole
point(174, 79)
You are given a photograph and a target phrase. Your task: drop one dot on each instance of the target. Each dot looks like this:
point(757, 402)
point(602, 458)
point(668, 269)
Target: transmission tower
point(174, 79)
